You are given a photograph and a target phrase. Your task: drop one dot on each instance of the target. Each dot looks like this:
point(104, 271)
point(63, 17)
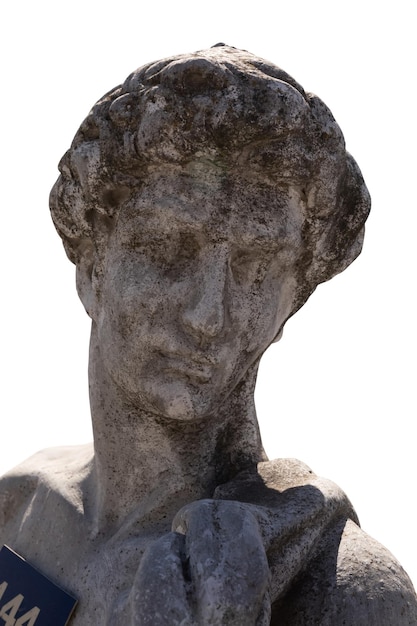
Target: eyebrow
point(268, 222)
point(244, 233)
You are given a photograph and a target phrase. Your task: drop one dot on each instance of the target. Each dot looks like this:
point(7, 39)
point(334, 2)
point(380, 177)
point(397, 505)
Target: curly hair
point(234, 109)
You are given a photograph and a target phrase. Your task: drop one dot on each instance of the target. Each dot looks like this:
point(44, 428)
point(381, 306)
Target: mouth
point(192, 367)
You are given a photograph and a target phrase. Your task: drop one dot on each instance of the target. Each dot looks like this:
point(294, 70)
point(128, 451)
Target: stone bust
point(202, 202)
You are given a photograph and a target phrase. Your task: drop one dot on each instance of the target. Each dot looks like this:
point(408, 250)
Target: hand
point(211, 570)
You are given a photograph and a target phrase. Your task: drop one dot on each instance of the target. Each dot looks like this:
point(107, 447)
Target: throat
point(148, 467)
point(156, 474)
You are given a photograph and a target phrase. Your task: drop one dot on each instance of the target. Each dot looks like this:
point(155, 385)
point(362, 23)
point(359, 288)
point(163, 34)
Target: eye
point(173, 254)
point(250, 266)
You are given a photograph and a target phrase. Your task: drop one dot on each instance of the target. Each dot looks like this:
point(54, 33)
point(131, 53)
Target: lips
point(191, 366)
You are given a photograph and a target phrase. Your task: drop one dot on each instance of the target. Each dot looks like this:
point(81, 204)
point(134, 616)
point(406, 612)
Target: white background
point(338, 391)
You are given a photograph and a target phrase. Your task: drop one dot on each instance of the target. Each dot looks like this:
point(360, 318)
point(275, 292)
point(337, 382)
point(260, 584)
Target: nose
point(204, 315)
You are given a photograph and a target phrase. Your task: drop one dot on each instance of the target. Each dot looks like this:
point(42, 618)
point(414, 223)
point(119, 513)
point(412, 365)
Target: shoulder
point(348, 577)
point(373, 580)
point(352, 580)
point(55, 472)
point(325, 569)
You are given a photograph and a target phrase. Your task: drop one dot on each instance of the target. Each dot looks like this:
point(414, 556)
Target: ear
point(339, 236)
point(86, 284)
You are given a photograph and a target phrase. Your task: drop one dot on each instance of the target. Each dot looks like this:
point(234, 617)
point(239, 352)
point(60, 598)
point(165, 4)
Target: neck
point(145, 464)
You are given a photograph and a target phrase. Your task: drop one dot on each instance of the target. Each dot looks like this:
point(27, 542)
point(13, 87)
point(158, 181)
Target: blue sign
point(27, 597)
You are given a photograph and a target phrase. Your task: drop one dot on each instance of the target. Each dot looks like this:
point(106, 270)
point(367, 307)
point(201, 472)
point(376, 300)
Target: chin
point(180, 401)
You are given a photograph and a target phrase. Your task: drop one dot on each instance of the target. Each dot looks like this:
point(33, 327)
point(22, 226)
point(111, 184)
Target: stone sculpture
point(202, 202)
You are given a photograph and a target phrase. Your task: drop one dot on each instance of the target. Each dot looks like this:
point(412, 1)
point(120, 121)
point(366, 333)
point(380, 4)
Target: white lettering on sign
point(8, 611)
point(29, 618)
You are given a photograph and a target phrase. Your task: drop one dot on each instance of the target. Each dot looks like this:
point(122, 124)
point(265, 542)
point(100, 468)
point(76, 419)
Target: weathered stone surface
point(202, 202)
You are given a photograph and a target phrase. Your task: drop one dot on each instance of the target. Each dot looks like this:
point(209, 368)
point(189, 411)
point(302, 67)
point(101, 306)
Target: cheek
point(269, 311)
point(137, 310)
point(126, 308)
point(130, 293)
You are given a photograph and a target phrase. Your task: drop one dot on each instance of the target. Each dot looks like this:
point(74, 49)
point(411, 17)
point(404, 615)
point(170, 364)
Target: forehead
point(202, 198)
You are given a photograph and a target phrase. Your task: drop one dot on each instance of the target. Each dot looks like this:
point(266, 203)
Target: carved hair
point(229, 107)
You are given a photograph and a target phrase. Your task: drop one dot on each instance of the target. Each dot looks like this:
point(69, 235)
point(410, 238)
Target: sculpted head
point(203, 201)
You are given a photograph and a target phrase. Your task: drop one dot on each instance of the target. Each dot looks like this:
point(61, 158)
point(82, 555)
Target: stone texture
point(202, 202)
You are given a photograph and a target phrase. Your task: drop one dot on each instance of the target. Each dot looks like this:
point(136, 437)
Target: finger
point(228, 564)
point(264, 617)
point(159, 594)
